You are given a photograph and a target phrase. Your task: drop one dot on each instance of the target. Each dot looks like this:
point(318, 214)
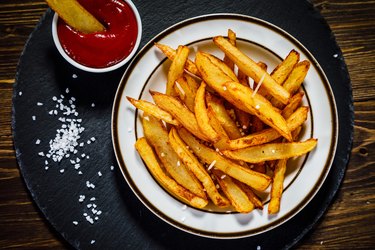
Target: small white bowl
point(98, 70)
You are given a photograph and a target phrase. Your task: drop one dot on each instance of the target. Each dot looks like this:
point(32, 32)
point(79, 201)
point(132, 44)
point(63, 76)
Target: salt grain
point(336, 55)
point(62, 170)
point(33, 117)
point(92, 242)
point(81, 198)
point(93, 105)
point(20, 93)
point(100, 173)
point(75, 223)
point(37, 142)
point(211, 165)
point(74, 76)
point(39, 104)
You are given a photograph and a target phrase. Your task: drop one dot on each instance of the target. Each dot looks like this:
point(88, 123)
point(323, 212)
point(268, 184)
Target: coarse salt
point(211, 165)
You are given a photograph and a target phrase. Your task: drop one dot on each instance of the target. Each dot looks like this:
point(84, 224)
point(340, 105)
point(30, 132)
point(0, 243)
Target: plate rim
point(290, 214)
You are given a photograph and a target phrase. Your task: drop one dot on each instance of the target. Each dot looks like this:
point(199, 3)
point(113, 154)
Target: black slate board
point(125, 223)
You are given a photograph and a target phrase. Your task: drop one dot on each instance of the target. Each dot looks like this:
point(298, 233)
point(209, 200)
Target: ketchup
point(106, 48)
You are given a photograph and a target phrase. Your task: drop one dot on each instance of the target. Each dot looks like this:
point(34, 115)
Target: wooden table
point(350, 221)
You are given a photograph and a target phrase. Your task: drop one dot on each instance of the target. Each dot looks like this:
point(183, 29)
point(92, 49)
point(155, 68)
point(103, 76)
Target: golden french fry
point(152, 163)
point(254, 179)
point(157, 135)
point(294, 103)
point(202, 116)
point(270, 134)
point(196, 167)
point(186, 92)
point(277, 186)
point(76, 16)
point(171, 53)
point(250, 68)
point(181, 113)
point(250, 194)
point(258, 106)
point(240, 96)
point(222, 116)
point(153, 110)
point(278, 180)
point(235, 194)
point(282, 71)
point(232, 40)
point(272, 151)
point(294, 80)
point(177, 68)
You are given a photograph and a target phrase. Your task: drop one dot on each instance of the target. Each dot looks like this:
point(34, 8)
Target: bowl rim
point(92, 69)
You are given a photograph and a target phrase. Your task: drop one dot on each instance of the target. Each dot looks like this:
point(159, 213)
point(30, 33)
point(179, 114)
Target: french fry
point(76, 16)
point(171, 186)
point(186, 92)
point(157, 135)
point(182, 114)
point(294, 80)
point(271, 151)
point(282, 71)
point(198, 170)
point(254, 179)
point(222, 116)
point(177, 68)
point(236, 195)
point(250, 68)
point(278, 180)
point(258, 106)
point(250, 194)
point(277, 186)
point(240, 96)
point(171, 53)
point(269, 134)
point(202, 116)
point(153, 110)
point(232, 40)
point(295, 101)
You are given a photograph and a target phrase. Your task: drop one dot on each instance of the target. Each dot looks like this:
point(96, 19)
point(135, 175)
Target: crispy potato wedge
point(255, 180)
point(157, 135)
point(76, 16)
point(235, 194)
point(202, 116)
point(181, 113)
point(272, 151)
point(152, 163)
point(269, 134)
point(153, 110)
point(198, 170)
point(177, 68)
point(171, 53)
point(250, 68)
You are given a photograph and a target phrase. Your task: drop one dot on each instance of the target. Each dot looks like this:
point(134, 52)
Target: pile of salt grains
point(66, 146)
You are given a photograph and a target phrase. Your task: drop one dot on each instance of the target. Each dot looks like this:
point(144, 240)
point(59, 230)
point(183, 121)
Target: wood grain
point(350, 220)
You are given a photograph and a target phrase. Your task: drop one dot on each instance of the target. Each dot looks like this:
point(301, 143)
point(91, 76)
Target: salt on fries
point(213, 138)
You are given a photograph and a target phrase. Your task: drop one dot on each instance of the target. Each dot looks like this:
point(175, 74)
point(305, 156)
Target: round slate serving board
point(124, 223)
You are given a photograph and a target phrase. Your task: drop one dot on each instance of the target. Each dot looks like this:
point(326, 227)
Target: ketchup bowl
point(104, 51)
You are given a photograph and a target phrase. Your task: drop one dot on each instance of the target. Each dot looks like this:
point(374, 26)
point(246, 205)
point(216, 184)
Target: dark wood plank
point(349, 222)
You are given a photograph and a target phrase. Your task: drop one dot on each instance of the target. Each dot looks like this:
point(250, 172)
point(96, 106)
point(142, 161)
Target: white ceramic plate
point(263, 42)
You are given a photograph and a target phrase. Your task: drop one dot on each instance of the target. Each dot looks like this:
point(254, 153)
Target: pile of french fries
point(218, 137)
